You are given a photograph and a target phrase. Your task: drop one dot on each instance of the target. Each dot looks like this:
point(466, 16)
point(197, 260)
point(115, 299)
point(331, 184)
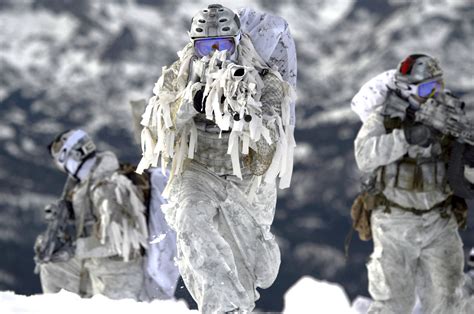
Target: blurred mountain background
point(77, 63)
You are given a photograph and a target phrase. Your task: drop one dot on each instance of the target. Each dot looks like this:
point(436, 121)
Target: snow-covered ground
point(68, 302)
point(308, 295)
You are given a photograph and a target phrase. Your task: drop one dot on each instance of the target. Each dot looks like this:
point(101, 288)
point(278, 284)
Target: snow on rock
point(67, 302)
point(309, 295)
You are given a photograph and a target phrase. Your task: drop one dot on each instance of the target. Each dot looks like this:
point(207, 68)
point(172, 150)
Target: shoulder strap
point(141, 181)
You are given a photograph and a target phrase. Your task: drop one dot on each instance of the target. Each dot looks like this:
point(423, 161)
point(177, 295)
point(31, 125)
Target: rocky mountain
point(67, 64)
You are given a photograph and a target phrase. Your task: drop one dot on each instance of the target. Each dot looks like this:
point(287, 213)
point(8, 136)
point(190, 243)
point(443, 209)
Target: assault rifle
point(446, 115)
point(57, 243)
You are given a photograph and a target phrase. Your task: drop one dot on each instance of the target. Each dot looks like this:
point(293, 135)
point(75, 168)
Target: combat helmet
point(70, 149)
point(419, 75)
point(215, 28)
point(215, 21)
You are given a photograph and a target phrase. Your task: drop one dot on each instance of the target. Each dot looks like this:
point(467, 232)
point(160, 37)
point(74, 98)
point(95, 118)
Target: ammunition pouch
point(360, 213)
point(415, 175)
point(459, 210)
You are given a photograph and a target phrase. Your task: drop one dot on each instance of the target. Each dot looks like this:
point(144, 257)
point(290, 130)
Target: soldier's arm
point(160, 116)
point(272, 97)
point(375, 148)
point(120, 215)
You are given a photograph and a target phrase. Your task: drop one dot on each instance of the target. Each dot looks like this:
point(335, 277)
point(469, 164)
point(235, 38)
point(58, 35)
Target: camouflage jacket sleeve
point(375, 148)
point(166, 89)
point(120, 215)
point(272, 96)
point(166, 115)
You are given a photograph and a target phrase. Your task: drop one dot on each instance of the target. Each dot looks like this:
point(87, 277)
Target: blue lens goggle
point(429, 89)
point(205, 46)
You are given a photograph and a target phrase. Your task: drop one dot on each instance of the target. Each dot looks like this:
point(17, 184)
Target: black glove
point(198, 102)
point(468, 156)
point(418, 134)
point(410, 114)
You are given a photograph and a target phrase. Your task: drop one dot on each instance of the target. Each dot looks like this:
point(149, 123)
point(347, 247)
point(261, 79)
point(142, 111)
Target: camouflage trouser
point(416, 255)
point(70, 276)
point(225, 248)
point(111, 277)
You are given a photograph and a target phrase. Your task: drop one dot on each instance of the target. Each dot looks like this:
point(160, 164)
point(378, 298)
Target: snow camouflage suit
point(221, 197)
point(111, 232)
point(412, 253)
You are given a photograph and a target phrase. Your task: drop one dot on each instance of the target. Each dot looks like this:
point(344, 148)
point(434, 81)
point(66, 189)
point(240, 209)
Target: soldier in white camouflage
point(220, 116)
point(110, 231)
point(416, 209)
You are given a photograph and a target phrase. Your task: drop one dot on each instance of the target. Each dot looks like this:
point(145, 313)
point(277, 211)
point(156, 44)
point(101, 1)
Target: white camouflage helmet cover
point(417, 68)
point(70, 149)
point(215, 21)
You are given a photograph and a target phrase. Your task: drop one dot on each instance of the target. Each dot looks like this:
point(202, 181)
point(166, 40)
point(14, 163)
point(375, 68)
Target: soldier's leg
point(61, 275)
point(393, 263)
point(441, 266)
point(246, 225)
point(114, 278)
point(205, 259)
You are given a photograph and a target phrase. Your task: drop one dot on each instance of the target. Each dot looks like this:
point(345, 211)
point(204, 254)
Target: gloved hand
point(469, 155)
point(418, 134)
point(51, 211)
point(198, 102)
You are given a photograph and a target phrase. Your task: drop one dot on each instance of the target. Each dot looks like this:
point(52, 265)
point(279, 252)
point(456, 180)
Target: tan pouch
point(360, 214)
point(459, 209)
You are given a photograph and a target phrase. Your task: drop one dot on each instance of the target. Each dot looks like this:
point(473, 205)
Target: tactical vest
point(211, 148)
point(419, 174)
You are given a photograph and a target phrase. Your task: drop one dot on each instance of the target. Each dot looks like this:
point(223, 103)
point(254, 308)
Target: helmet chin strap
point(84, 168)
point(70, 159)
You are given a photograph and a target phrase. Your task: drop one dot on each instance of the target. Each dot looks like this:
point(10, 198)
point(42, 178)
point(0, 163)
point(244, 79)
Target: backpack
point(272, 40)
point(161, 273)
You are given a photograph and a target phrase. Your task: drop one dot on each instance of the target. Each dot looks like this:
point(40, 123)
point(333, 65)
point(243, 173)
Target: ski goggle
point(428, 89)
point(205, 46)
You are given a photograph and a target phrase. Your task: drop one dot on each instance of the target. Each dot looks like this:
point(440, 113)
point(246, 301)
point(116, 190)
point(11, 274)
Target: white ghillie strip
point(133, 239)
point(245, 144)
point(234, 153)
point(125, 241)
point(118, 194)
point(104, 210)
point(192, 140)
point(272, 171)
point(147, 156)
point(288, 172)
point(158, 238)
point(146, 117)
point(115, 237)
point(180, 156)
